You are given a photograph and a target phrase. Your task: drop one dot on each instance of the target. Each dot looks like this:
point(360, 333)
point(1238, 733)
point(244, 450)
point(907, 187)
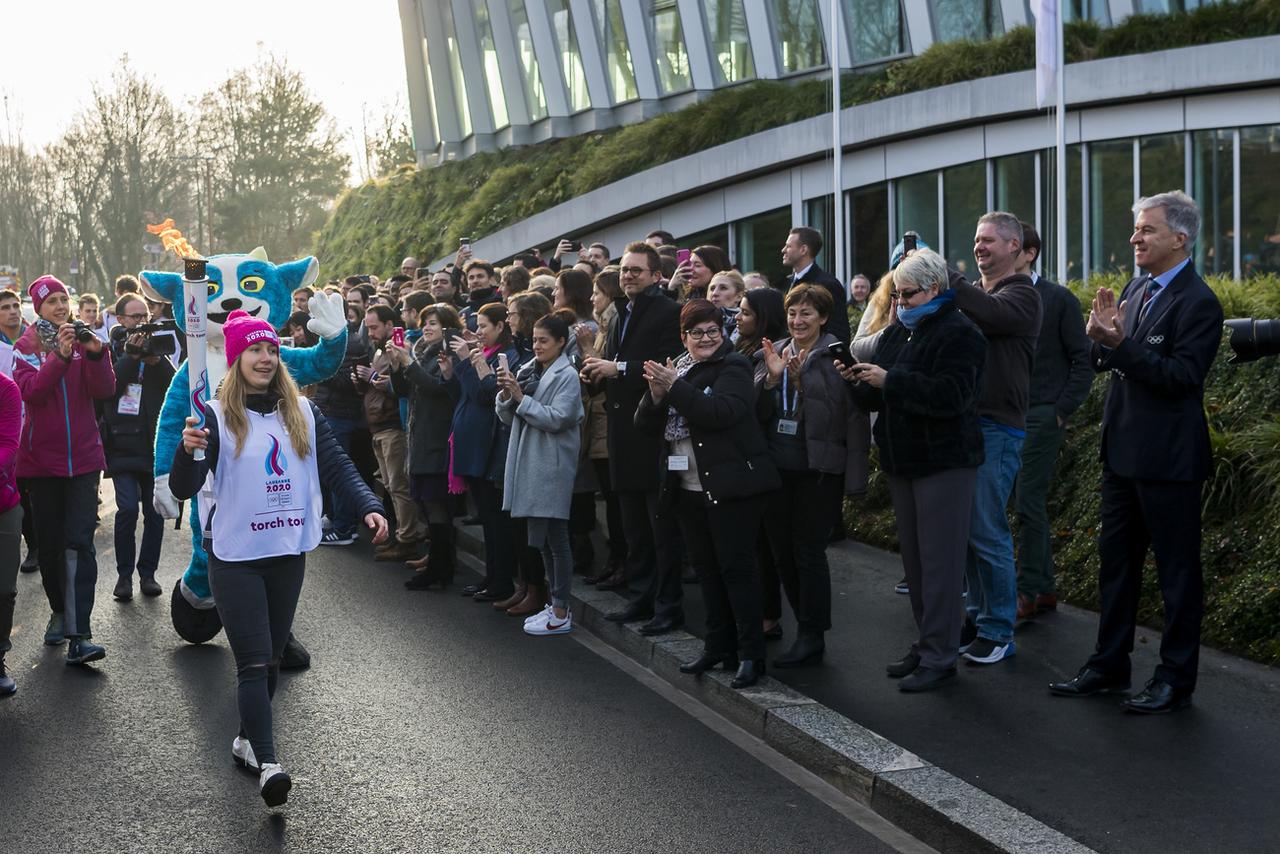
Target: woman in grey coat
point(543, 405)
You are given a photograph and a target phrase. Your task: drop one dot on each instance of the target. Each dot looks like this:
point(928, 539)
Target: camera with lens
point(84, 332)
point(1252, 339)
point(160, 338)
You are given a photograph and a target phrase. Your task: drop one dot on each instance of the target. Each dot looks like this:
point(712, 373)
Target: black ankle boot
point(807, 649)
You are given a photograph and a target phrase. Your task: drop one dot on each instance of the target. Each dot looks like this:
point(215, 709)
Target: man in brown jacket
point(382, 410)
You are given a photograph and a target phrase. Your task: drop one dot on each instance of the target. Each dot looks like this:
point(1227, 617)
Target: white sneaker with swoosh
point(550, 624)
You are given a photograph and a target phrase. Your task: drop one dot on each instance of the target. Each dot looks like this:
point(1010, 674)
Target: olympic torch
point(195, 295)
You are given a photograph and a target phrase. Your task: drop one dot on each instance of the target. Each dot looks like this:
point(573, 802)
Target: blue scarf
point(911, 317)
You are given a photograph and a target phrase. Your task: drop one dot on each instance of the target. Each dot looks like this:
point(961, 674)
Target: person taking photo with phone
point(259, 527)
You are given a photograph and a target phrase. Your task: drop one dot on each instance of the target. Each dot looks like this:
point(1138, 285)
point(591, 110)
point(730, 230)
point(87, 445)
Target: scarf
point(677, 427)
point(911, 317)
point(528, 376)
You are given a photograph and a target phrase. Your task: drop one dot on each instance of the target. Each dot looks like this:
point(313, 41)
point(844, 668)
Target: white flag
point(1048, 63)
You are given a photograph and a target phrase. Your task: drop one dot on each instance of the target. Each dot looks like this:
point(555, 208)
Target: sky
point(350, 53)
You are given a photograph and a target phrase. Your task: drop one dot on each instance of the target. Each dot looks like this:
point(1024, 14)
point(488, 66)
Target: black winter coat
point(653, 332)
point(929, 404)
point(129, 440)
point(338, 396)
point(717, 399)
point(431, 404)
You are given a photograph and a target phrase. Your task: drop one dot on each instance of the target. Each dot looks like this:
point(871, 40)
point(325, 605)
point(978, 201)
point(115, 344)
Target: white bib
point(265, 502)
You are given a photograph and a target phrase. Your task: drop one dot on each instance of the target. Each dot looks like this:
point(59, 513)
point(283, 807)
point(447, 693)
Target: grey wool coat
point(542, 457)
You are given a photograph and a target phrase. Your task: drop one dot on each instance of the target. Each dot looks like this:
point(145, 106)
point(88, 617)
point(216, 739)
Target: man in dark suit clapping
point(1158, 344)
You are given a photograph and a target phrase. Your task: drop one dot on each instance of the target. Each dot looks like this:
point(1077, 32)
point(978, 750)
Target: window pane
point(917, 207)
point(1212, 177)
point(797, 30)
point(666, 38)
point(730, 46)
point(456, 77)
point(492, 79)
point(1092, 10)
point(1260, 200)
point(1163, 7)
point(718, 236)
point(819, 214)
point(1048, 195)
point(530, 76)
point(575, 80)
point(964, 193)
point(966, 19)
point(1110, 206)
point(877, 28)
point(760, 241)
point(871, 231)
point(611, 33)
point(1015, 185)
point(1163, 163)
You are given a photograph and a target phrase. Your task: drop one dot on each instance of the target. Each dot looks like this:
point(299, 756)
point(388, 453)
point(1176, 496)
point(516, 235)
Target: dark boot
point(295, 655)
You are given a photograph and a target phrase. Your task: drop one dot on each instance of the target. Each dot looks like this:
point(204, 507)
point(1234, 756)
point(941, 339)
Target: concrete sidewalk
point(1204, 779)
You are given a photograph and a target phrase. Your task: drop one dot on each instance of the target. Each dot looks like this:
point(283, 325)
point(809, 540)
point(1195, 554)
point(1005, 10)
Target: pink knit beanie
point(241, 330)
point(42, 287)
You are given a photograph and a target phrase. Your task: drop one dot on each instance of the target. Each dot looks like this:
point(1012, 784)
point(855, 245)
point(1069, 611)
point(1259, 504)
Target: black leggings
point(256, 601)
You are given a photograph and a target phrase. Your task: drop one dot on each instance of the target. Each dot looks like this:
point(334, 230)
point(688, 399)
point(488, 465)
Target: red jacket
point(10, 427)
point(60, 433)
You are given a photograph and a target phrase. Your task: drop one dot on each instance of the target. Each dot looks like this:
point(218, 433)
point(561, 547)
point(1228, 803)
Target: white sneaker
point(551, 625)
point(242, 753)
point(274, 784)
point(541, 616)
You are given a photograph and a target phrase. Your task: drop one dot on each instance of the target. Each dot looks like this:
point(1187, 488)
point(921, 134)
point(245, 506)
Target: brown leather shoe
point(419, 564)
point(1026, 606)
point(616, 581)
point(516, 597)
point(535, 599)
point(397, 552)
point(1046, 602)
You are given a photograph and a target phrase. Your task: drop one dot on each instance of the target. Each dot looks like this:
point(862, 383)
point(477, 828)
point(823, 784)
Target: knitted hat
point(242, 330)
point(42, 287)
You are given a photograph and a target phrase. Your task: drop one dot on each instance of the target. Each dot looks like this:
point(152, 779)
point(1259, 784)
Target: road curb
point(933, 805)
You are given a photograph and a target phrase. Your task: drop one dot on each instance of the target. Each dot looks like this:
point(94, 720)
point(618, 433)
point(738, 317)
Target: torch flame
point(173, 239)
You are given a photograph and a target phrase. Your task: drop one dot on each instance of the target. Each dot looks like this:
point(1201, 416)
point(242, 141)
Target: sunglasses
point(905, 294)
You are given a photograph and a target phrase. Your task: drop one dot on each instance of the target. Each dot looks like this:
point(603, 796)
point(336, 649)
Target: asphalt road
point(426, 723)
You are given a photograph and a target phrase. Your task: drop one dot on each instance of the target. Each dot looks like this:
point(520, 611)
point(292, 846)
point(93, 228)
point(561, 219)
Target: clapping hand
point(586, 339)
point(660, 377)
point(1106, 319)
point(795, 362)
point(774, 364)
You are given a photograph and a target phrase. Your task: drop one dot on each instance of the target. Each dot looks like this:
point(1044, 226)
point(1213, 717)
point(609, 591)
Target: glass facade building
point(551, 68)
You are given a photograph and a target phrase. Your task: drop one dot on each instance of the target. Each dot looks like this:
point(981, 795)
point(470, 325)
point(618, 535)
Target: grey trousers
point(10, 559)
point(932, 513)
point(551, 537)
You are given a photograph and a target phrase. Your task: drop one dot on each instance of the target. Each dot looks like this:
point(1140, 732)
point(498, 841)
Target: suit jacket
point(838, 321)
point(1153, 425)
point(653, 332)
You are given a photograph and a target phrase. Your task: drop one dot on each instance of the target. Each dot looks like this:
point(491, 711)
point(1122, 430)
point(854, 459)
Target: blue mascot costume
point(252, 284)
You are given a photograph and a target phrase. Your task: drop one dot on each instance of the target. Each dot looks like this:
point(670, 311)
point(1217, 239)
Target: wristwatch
point(622, 367)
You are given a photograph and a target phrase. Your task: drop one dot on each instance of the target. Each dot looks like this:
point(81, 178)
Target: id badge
point(788, 426)
point(677, 463)
point(131, 401)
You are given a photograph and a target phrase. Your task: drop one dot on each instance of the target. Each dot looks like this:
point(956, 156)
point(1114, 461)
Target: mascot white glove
point(163, 501)
point(328, 315)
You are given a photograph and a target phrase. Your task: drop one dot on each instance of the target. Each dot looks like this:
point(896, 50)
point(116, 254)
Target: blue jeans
point(133, 489)
point(990, 572)
point(343, 519)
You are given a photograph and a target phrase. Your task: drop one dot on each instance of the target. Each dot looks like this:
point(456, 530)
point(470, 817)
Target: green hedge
point(1241, 507)
point(424, 212)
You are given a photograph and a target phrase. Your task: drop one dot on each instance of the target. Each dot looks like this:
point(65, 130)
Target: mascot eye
point(252, 284)
point(213, 288)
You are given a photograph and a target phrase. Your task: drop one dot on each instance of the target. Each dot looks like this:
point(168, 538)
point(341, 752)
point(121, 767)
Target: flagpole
point(1061, 145)
point(836, 238)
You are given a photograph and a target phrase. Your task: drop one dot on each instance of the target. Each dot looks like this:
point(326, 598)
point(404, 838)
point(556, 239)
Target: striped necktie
point(1151, 288)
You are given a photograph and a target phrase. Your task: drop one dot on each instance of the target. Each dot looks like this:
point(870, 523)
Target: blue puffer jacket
point(479, 438)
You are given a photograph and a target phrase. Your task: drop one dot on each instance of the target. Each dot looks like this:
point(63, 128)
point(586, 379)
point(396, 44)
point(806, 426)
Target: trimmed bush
point(1241, 510)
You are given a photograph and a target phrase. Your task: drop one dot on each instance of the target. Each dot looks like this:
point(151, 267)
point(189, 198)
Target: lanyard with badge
point(788, 424)
point(130, 402)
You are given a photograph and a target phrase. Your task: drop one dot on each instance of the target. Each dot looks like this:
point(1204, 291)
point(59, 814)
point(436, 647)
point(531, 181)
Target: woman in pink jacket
point(61, 372)
point(10, 517)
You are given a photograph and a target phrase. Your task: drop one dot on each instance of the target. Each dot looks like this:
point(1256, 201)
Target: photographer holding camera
point(61, 370)
point(128, 437)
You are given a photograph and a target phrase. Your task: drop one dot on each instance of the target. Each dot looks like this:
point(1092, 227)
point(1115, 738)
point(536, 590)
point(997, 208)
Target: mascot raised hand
point(252, 284)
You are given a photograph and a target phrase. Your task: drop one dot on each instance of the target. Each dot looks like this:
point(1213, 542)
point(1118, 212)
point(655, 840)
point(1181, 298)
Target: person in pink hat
point(268, 453)
point(61, 460)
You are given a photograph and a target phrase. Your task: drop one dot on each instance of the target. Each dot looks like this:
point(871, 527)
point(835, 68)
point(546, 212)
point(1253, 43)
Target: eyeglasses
point(135, 316)
point(699, 334)
point(633, 271)
point(904, 295)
